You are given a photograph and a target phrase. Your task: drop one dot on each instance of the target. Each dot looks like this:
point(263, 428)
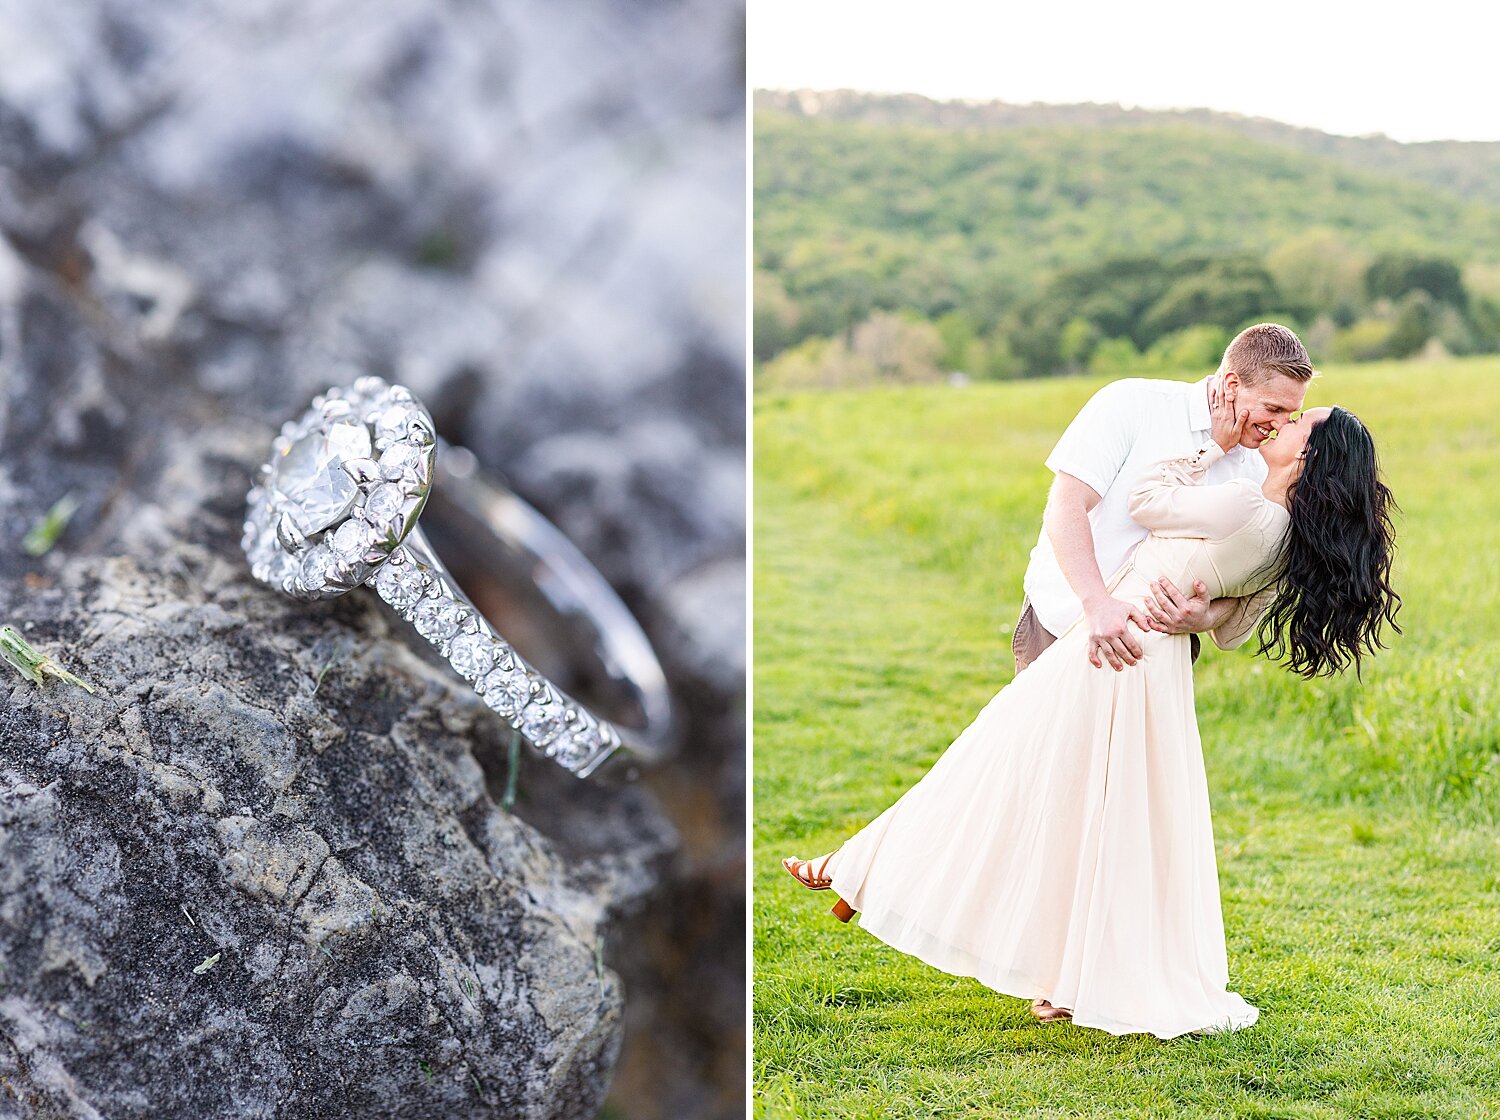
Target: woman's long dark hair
point(1336, 563)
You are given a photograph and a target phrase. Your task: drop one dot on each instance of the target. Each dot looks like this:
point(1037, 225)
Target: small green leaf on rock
point(208, 963)
point(39, 540)
point(340, 650)
point(32, 665)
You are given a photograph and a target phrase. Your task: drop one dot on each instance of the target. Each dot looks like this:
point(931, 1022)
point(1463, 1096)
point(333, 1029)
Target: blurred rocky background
point(278, 864)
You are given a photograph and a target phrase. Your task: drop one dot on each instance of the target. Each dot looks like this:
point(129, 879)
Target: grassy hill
point(1356, 824)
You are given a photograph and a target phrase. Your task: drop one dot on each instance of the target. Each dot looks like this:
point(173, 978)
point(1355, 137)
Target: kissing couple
point(1061, 849)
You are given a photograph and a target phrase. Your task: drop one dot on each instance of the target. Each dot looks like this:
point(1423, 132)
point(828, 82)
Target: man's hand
point(1172, 612)
point(1109, 622)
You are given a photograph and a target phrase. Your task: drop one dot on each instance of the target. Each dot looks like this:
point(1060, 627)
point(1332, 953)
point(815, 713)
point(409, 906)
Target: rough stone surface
point(267, 869)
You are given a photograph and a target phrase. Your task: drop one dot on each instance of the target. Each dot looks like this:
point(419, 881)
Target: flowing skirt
point(1062, 847)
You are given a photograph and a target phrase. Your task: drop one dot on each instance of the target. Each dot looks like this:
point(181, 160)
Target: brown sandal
point(802, 871)
point(817, 880)
point(1046, 1013)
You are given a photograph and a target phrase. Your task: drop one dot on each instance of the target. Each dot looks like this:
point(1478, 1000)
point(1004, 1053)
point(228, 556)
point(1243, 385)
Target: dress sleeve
point(1169, 501)
point(1232, 632)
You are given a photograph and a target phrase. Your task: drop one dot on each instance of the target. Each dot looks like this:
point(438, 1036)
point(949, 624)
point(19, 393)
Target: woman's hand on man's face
point(1228, 419)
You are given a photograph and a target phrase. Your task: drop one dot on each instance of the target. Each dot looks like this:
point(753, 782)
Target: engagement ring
point(337, 507)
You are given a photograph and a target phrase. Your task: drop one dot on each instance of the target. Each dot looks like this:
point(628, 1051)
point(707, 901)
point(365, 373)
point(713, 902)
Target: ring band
point(328, 514)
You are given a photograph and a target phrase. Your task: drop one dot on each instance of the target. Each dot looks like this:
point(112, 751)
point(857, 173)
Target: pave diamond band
point(337, 506)
point(422, 593)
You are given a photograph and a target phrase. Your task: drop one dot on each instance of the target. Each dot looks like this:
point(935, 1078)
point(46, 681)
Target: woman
point(1061, 848)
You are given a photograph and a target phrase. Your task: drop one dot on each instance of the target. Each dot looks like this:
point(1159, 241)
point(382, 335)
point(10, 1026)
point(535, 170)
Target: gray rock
point(268, 868)
point(247, 787)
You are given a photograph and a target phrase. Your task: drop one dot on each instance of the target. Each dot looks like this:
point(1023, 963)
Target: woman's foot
point(811, 873)
point(1045, 1012)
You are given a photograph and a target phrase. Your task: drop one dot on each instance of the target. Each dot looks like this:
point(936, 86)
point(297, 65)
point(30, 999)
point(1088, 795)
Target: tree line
point(1144, 314)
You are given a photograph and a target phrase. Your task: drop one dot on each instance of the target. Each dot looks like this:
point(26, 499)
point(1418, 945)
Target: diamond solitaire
point(337, 506)
point(308, 479)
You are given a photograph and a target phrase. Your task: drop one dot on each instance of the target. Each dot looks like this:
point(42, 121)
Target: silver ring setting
point(337, 507)
point(353, 471)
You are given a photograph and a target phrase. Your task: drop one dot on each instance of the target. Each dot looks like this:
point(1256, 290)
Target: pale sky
point(1422, 71)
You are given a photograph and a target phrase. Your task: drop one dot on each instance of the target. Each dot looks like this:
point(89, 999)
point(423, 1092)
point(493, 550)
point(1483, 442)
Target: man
point(1124, 428)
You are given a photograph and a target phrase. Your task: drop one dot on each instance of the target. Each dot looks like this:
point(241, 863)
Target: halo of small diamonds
point(344, 486)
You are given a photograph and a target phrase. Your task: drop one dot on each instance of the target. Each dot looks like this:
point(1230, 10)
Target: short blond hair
point(1258, 352)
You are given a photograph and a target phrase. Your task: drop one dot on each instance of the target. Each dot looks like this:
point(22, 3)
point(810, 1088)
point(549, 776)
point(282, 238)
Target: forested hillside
point(902, 239)
point(1466, 168)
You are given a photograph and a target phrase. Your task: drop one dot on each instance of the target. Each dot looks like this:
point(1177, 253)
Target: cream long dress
point(1061, 847)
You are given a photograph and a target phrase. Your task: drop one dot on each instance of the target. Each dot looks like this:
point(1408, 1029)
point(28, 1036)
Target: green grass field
point(1357, 824)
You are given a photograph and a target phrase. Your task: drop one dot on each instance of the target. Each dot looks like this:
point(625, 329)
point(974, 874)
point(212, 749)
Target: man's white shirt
point(1124, 428)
